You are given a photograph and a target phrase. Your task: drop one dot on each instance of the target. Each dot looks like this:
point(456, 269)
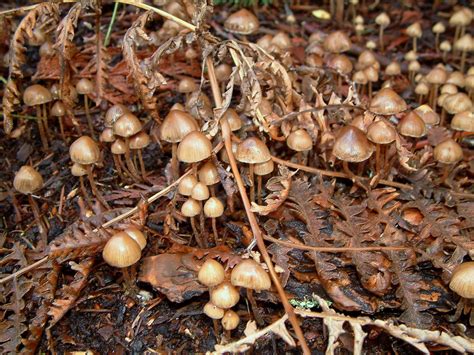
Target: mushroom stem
point(127, 279)
point(381, 38)
point(446, 170)
point(443, 117)
point(253, 305)
point(437, 42)
point(463, 60)
point(215, 323)
point(142, 164)
point(434, 95)
point(340, 11)
point(88, 116)
point(252, 183)
point(128, 161)
point(95, 190)
point(41, 225)
point(414, 44)
point(370, 90)
point(195, 232)
point(259, 189)
point(214, 230)
point(61, 128)
point(118, 166)
point(202, 226)
point(84, 192)
point(377, 158)
point(174, 162)
point(45, 122)
point(39, 121)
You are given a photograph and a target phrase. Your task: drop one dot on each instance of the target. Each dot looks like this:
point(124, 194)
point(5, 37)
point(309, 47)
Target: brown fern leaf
point(145, 80)
point(11, 98)
point(69, 294)
point(79, 240)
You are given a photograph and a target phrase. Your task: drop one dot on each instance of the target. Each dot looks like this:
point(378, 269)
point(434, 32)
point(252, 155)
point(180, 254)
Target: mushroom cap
point(264, 168)
point(412, 125)
point(359, 77)
point(107, 135)
point(422, 89)
point(436, 76)
point(462, 17)
point(465, 43)
point(351, 145)
point(414, 66)
point(242, 22)
point(457, 103)
point(448, 152)
point(127, 125)
point(366, 59)
point(186, 185)
point(249, 274)
point(337, 42)
point(411, 55)
point(448, 89)
point(84, 150)
point(121, 251)
point(118, 147)
point(462, 280)
point(139, 141)
point(114, 113)
point(194, 147)
point(211, 273)
point(382, 20)
point(213, 208)
point(208, 174)
point(27, 180)
point(84, 87)
point(212, 311)
point(225, 295)
point(299, 141)
point(78, 170)
point(430, 117)
point(414, 30)
point(177, 106)
point(187, 85)
point(190, 208)
point(381, 132)
point(252, 151)
point(372, 74)
point(456, 78)
point(233, 119)
point(438, 27)
point(36, 95)
point(200, 192)
point(223, 72)
point(393, 68)
point(177, 125)
point(282, 41)
point(230, 320)
point(387, 102)
point(58, 109)
point(463, 121)
point(445, 46)
point(137, 235)
point(341, 63)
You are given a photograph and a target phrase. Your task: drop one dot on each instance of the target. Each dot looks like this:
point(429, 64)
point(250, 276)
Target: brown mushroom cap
point(200, 192)
point(448, 152)
point(194, 147)
point(223, 72)
point(462, 280)
point(127, 125)
point(463, 121)
point(242, 22)
point(366, 59)
point(186, 185)
point(282, 41)
point(213, 208)
point(264, 168)
point(462, 17)
point(233, 119)
point(118, 147)
point(465, 43)
point(414, 30)
point(412, 125)
point(249, 274)
point(372, 74)
point(36, 95)
point(208, 174)
point(341, 63)
point(140, 140)
point(190, 208)
point(84, 87)
point(381, 132)
point(114, 113)
point(212, 311)
point(27, 180)
point(230, 320)
point(359, 77)
point(177, 125)
point(387, 102)
point(187, 85)
point(58, 109)
point(225, 295)
point(393, 68)
point(137, 235)
point(422, 89)
point(427, 114)
point(299, 141)
point(437, 76)
point(351, 145)
point(78, 170)
point(337, 42)
point(107, 135)
point(252, 151)
point(457, 103)
point(382, 20)
point(84, 150)
point(456, 78)
point(121, 251)
point(211, 273)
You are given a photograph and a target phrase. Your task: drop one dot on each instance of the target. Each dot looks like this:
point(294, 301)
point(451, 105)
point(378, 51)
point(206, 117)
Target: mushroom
point(118, 149)
point(462, 282)
point(85, 151)
point(187, 86)
point(137, 235)
point(372, 77)
point(225, 295)
point(140, 141)
point(230, 321)
point(122, 251)
point(301, 142)
point(463, 122)
point(460, 19)
point(59, 110)
point(430, 117)
point(464, 45)
point(447, 153)
point(79, 170)
point(191, 208)
point(456, 103)
point(127, 126)
point(422, 89)
point(186, 185)
point(262, 169)
point(383, 21)
point(85, 87)
point(252, 151)
point(212, 311)
point(382, 133)
point(412, 125)
point(337, 42)
point(342, 65)
point(233, 118)
point(242, 22)
point(27, 181)
point(436, 77)
point(209, 175)
point(414, 31)
point(211, 273)
point(437, 29)
point(176, 125)
point(37, 95)
point(194, 147)
point(114, 113)
point(214, 208)
point(445, 47)
point(200, 193)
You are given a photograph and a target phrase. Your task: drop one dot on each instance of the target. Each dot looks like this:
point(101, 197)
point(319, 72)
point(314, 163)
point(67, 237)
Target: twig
point(111, 24)
point(24, 270)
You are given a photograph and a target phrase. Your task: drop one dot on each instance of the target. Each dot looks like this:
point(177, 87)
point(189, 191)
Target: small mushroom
point(85, 87)
point(38, 96)
point(462, 282)
point(214, 208)
point(211, 273)
point(140, 141)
